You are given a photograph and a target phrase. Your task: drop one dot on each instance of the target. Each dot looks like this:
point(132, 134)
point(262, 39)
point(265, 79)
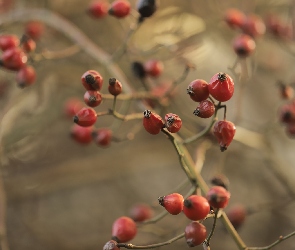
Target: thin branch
point(207, 241)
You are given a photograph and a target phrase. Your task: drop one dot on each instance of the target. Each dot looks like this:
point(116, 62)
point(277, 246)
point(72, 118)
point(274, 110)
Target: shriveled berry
point(254, 26)
point(235, 18)
point(26, 76)
point(103, 137)
point(172, 122)
point(72, 106)
point(152, 122)
point(173, 203)
point(153, 68)
point(205, 109)
point(28, 44)
point(14, 58)
point(8, 41)
point(196, 207)
point(146, 8)
point(237, 215)
point(111, 245)
point(34, 29)
point(92, 98)
point(138, 69)
point(221, 87)
point(115, 87)
point(92, 80)
point(195, 234)
point(86, 117)
point(120, 8)
point(81, 135)
point(224, 131)
point(244, 45)
point(98, 9)
point(198, 90)
point(124, 229)
point(218, 197)
point(141, 212)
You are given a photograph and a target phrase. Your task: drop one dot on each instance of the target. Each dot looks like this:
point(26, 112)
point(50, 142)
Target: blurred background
point(58, 194)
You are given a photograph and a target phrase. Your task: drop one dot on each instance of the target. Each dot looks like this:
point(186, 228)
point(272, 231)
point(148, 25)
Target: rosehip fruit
point(115, 87)
point(8, 41)
point(154, 68)
point(14, 58)
point(235, 18)
point(34, 29)
point(224, 131)
point(237, 215)
point(86, 117)
point(124, 229)
point(81, 135)
point(152, 122)
point(26, 76)
point(220, 180)
point(111, 245)
point(195, 234)
point(173, 203)
point(103, 137)
point(120, 8)
point(172, 122)
point(92, 98)
point(221, 87)
point(28, 44)
point(141, 212)
point(205, 109)
point(146, 8)
point(98, 9)
point(196, 207)
point(254, 26)
point(92, 80)
point(72, 106)
point(198, 90)
point(244, 45)
point(218, 197)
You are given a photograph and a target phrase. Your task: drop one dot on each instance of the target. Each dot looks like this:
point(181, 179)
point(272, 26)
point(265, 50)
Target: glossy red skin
point(97, 83)
point(196, 207)
point(8, 41)
point(82, 135)
point(173, 203)
point(124, 229)
point(205, 109)
point(115, 88)
point(98, 9)
point(34, 29)
point(175, 125)
point(224, 131)
point(141, 212)
point(120, 8)
point(111, 245)
point(92, 98)
point(72, 106)
point(254, 26)
point(28, 45)
point(26, 76)
point(235, 18)
point(103, 137)
point(14, 58)
point(153, 68)
point(221, 90)
point(244, 45)
point(153, 124)
point(198, 90)
point(237, 215)
point(195, 234)
point(86, 117)
point(218, 197)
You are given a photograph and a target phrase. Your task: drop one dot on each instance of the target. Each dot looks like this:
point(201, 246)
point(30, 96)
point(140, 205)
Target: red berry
point(237, 215)
point(153, 68)
point(141, 212)
point(196, 207)
point(244, 45)
point(111, 245)
point(172, 122)
point(205, 109)
point(14, 58)
point(221, 87)
point(152, 122)
point(92, 80)
point(26, 76)
point(115, 87)
point(287, 113)
point(277, 27)
point(235, 18)
point(86, 117)
point(81, 135)
point(198, 90)
point(92, 98)
point(120, 8)
point(28, 44)
point(8, 41)
point(173, 203)
point(72, 106)
point(103, 137)
point(195, 233)
point(124, 229)
point(254, 26)
point(218, 197)
point(98, 9)
point(34, 29)
point(224, 131)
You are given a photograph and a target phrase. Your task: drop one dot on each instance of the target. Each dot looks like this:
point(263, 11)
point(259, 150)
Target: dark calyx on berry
point(92, 99)
point(190, 90)
point(138, 69)
point(223, 148)
point(196, 112)
point(90, 79)
point(112, 81)
point(170, 120)
point(147, 113)
point(221, 76)
point(76, 119)
point(161, 200)
point(188, 203)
